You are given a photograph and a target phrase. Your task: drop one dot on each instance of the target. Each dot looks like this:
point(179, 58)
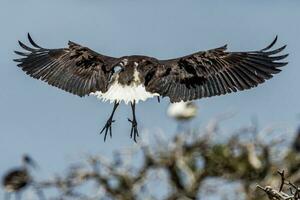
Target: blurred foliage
point(178, 169)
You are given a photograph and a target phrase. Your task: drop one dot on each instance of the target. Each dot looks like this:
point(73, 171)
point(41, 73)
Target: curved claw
point(134, 130)
point(107, 128)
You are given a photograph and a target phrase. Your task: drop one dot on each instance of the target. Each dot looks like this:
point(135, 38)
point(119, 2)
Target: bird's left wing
point(213, 72)
point(75, 69)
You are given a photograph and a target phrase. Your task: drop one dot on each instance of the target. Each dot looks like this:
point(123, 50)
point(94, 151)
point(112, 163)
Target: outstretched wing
point(75, 69)
point(214, 72)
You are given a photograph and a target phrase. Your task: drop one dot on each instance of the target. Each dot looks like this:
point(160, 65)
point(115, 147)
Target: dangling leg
point(110, 120)
point(134, 131)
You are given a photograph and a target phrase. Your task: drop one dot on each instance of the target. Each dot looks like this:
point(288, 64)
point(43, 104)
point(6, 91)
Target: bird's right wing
point(75, 69)
point(214, 72)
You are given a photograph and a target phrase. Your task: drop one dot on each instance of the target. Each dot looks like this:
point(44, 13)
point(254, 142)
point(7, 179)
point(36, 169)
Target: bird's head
point(28, 161)
point(128, 61)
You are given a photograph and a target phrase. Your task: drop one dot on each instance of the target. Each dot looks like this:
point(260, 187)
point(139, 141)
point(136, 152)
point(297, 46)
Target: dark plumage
point(81, 71)
point(216, 72)
point(18, 179)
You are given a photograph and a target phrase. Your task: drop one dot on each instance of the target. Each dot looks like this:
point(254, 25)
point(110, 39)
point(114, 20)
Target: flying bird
point(82, 71)
point(18, 179)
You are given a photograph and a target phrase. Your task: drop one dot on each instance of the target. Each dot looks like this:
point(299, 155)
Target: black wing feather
point(215, 72)
point(75, 69)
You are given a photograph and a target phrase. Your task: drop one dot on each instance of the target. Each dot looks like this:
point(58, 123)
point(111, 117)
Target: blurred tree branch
point(187, 161)
point(292, 191)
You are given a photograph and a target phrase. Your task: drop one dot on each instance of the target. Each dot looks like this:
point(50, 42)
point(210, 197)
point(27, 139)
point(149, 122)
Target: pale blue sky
point(53, 125)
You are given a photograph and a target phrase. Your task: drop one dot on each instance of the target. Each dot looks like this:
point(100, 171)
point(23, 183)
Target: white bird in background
point(182, 111)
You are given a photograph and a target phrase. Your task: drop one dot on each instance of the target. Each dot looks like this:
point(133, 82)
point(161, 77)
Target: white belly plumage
point(128, 93)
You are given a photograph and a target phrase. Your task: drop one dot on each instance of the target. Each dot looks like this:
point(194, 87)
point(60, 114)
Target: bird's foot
point(107, 128)
point(134, 131)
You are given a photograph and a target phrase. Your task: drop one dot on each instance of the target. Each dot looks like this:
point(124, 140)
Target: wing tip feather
point(32, 41)
point(271, 45)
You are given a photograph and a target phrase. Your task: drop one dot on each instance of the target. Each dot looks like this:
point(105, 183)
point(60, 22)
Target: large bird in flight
point(82, 71)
